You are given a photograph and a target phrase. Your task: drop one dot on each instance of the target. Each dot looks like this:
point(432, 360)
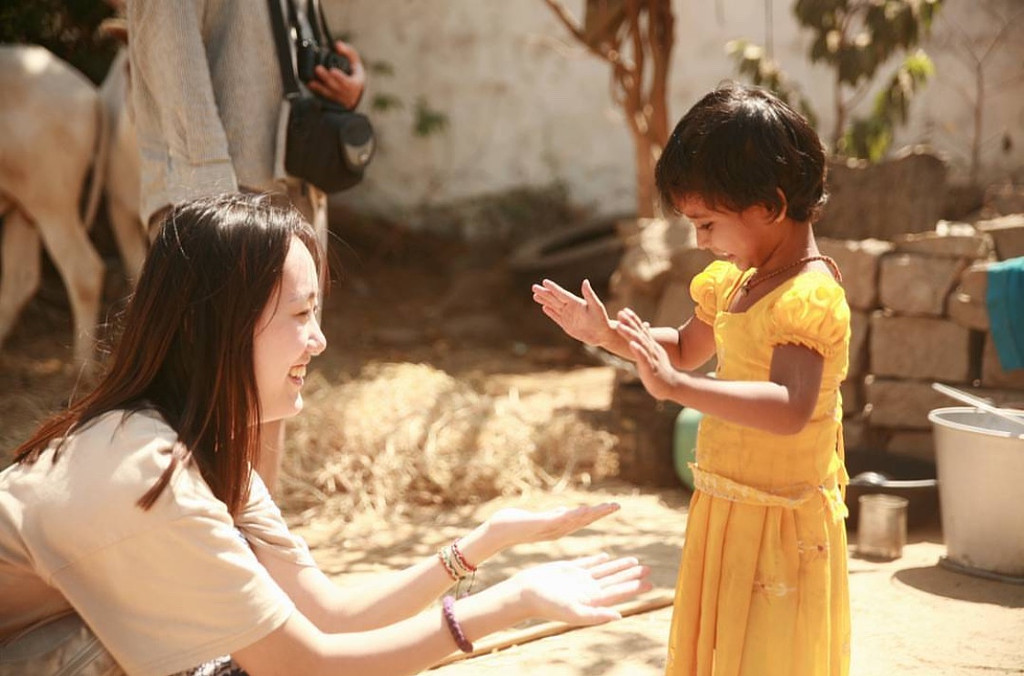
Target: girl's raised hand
point(513, 526)
point(653, 365)
point(584, 319)
point(581, 591)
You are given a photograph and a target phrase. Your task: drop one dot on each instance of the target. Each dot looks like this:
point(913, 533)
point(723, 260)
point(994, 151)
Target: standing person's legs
point(312, 203)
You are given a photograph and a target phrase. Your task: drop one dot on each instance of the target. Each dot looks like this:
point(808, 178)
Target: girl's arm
point(394, 596)
point(781, 405)
point(586, 319)
point(695, 345)
point(575, 592)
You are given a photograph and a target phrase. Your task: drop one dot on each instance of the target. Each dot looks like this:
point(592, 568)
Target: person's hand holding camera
point(337, 83)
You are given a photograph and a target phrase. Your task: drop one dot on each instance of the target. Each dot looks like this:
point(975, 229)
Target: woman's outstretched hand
point(653, 364)
point(584, 319)
point(581, 591)
point(514, 526)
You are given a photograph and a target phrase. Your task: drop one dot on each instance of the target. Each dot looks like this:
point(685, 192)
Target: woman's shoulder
point(120, 449)
point(121, 436)
point(85, 498)
point(125, 424)
point(104, 465)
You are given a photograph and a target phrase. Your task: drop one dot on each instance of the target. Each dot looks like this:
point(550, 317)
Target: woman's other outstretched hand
point(513, 526)
point(653, 365)
point(584, 319)
point(581, 591)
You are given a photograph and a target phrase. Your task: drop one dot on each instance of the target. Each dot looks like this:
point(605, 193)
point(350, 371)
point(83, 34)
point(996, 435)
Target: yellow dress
point(762, 588)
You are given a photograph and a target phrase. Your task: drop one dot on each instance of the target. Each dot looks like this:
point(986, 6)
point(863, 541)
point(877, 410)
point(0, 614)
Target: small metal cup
point(882, 526)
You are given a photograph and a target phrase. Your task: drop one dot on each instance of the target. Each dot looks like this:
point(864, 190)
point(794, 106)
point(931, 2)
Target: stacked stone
point(919, 316)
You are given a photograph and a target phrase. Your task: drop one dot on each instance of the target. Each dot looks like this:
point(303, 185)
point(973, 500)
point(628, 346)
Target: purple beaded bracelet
point(448, 610)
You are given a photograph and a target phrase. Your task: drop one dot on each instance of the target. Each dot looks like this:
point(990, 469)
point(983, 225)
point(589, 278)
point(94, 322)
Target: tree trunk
point(644, 34)
point(646, 194)
point(662, 39)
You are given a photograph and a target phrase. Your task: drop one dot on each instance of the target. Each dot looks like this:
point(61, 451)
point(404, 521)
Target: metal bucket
point(882, 527)
point(980, 466)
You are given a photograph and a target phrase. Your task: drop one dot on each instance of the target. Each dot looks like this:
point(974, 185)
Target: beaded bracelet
point(455, 562)
point(454, 628)
point(444, 554)
point(457, 567)
point(466, 565)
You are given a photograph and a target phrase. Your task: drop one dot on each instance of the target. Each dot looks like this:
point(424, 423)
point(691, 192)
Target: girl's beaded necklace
point(757, 277)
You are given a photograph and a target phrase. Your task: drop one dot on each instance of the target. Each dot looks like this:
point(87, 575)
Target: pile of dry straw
point(408, 434)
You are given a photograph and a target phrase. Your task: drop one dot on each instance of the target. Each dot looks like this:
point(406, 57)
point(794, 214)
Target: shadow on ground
point(959, 586)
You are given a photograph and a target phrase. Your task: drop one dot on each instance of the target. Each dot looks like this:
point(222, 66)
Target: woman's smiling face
point(287, 336)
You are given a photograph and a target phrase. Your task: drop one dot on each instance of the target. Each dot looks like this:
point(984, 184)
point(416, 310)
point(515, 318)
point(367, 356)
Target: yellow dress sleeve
point(709, 288)
point(812, 313)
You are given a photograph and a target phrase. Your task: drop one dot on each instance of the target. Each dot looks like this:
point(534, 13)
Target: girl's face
point(288, 336)
point(745, 238)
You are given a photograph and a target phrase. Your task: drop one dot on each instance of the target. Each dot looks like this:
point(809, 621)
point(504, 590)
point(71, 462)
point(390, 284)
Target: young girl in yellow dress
point(762, 587)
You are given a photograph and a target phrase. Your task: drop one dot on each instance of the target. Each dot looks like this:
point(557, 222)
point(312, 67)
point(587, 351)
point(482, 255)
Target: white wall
point(527, 106)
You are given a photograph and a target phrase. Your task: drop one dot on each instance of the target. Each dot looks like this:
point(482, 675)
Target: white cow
point(52, 129)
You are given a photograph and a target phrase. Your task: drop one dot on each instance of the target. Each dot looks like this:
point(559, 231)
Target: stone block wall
point(918, 316)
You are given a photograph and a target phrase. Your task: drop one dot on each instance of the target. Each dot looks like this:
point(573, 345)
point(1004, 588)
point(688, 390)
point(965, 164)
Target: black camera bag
point(325, 144)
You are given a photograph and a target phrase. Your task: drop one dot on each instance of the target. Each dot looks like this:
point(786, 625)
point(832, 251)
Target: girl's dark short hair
point(739, 146)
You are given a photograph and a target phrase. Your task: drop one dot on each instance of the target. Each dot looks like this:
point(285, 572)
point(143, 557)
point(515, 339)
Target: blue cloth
point(1005, 301)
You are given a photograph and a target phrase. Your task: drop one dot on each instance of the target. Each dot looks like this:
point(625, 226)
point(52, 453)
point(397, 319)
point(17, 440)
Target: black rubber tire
point(588, 251)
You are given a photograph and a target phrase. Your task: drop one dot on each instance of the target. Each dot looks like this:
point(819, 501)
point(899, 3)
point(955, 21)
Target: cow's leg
point(81, 268)
point(20, 250)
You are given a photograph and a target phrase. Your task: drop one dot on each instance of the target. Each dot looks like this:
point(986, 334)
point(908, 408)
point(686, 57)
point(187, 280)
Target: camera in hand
point(315, 124)
point(309, 55)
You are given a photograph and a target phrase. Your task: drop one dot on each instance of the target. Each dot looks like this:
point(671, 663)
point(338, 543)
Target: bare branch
point(569, 21)
point(1001, 34)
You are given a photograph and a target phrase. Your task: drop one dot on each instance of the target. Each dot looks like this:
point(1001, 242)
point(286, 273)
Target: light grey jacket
point(206, 96)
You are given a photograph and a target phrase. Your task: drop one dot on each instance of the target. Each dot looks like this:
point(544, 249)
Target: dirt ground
point(412, 299)
point(910, 616)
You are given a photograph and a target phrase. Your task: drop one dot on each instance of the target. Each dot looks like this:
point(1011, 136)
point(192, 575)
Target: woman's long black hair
point(186, 349)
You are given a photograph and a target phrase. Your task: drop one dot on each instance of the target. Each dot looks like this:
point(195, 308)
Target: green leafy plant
point(752, 61)
point(871, 137)
point(855, 38)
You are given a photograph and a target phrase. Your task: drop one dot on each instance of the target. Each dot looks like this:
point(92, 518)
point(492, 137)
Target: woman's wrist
point(498, 607)
point(480, 544)
point(513, 601)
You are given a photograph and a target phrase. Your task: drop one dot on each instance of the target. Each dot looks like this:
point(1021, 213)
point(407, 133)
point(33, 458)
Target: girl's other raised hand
point(653, 364)
point(584, 319)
